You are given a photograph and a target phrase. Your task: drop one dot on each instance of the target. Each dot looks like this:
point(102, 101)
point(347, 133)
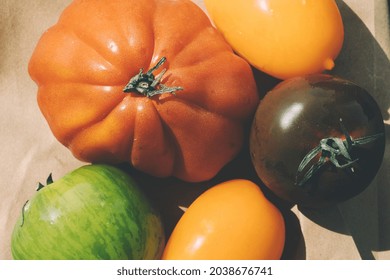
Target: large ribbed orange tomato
point(106, 96)
point(232, 220)
point(281, 38)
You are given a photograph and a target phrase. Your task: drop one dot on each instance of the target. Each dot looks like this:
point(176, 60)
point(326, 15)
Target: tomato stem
point(333, 150)
point(147, 84)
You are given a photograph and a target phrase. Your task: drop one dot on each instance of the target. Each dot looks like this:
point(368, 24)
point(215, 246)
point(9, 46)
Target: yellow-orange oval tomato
point(281, 38)
point(232, 220)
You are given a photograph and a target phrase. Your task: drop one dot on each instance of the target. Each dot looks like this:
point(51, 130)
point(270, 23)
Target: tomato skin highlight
point(281, 38)
point(94, 212)
point(232, 220)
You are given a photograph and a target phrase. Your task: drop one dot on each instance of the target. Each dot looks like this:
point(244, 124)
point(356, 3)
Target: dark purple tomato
point(317, 140)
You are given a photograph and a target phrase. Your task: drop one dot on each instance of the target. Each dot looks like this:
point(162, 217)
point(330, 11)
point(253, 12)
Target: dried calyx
point(147, 84)
point(49, 181)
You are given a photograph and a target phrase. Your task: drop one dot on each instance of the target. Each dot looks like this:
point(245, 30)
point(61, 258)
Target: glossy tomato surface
point(317, 140)
point(281, 38)
point(93, 212)
point(232, 220)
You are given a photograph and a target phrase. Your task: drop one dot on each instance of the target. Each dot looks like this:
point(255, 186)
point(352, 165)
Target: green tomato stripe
point(113, 223)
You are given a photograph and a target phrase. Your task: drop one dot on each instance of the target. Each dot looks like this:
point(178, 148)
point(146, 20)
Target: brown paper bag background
point(356, 229)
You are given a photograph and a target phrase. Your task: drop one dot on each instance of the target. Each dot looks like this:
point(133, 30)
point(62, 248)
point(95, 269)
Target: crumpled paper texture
point(356, 229)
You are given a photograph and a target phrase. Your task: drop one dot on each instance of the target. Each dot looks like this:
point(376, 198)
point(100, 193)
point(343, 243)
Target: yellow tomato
point(232, 220)
point(279, 37)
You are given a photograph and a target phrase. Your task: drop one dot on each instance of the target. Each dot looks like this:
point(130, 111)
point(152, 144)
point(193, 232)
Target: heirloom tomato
point(317, 140)
point(281, 38)
point(232, 220)
point(93, 212)
point(152, 83)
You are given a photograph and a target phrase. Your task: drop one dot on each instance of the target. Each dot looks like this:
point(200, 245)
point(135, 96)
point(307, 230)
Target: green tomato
point(93, 212)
